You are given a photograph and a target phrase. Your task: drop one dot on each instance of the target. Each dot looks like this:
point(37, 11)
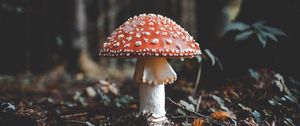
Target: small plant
point(123, 101)
point(258, 29)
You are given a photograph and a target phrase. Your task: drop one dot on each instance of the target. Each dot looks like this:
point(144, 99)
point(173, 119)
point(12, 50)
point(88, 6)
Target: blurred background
point(60, 36)
point(51, 74)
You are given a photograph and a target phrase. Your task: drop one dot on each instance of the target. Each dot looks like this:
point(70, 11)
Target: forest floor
point(262, 97)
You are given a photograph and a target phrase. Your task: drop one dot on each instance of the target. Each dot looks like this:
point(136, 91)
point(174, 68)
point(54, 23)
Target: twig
point(74, 115)
point(198, 79)
point(175, 117)
point(182, 107)
point(79, 122)
point(198, 103)
point(196, 113)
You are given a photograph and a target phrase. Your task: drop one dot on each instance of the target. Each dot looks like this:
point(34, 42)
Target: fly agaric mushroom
point(151, 39)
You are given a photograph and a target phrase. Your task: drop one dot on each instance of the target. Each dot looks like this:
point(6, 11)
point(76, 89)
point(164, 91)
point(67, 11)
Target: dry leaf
point(198, 122)
point(221, 115)
point(91, 91)
point(113, 88)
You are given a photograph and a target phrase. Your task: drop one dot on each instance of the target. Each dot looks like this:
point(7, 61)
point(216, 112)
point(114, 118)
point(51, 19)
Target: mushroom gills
point(154, 70)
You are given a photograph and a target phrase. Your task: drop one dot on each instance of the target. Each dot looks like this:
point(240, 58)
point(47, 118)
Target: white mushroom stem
point(152, 100)
point(152, 74)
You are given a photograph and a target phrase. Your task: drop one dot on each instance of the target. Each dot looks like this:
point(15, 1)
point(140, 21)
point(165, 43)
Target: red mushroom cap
point(150, 35)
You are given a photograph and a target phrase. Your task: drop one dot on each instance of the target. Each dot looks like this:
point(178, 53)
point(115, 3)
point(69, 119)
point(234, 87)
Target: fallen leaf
point(221, 115)
point(198, 122)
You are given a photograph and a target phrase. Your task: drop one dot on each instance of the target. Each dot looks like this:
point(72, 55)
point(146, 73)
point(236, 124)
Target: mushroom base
point(152, 100)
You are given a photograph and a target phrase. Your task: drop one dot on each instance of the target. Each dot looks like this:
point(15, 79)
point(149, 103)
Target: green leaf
point(243, 36)
point(253, 74)
point(184, 103)
point(274, 31)
point(214, 59)
point(272, 102)
point(262, 40)
point(89, 123)
point(181, 112)
point(288, 122)
point(239, 26)
point(245, 108)
point(272, 36)
point(291, 98)
point(199, 58)
point(192, 100)
point(191, 108)
point(258, 24)
point(123, 101)
point(211, 56)
point(186, 124)
point(266, 34)
point(257, 116)
point(220, 102)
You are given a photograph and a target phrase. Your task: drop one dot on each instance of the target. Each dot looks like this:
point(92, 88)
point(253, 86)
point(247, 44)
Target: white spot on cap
point(120, 36)
point(137, 43)
point(151, 23)
point(116, 44)
point(105, 44)
point(168, 41)
point(127, 45)
point(157, 32)
point(154, 41)
point(129, 38)
point(146, 33)
point(191, 38)
point(175, 35)
point(141, 24)
point(151, 28)
point(193, 45)
point(165, 33)
point(138, 35)
point(146, 40)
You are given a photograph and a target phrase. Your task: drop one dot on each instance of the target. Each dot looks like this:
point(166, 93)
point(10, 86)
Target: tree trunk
point(80, 42)
point(188, 16)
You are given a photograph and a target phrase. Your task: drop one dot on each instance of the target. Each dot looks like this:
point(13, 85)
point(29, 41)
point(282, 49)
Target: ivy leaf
point(243, 36)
